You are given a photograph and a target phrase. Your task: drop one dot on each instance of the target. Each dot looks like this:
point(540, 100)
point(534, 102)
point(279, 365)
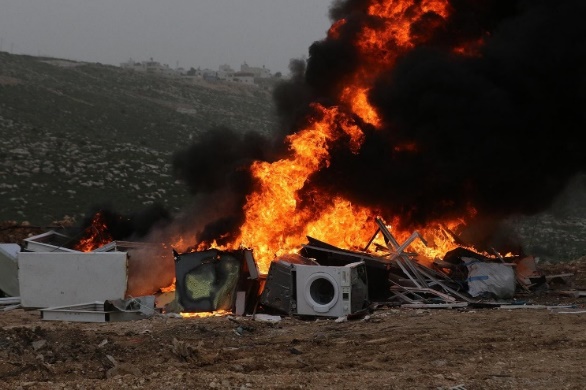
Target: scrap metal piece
point(50, 241)
point(10, 303)
point(279, 290)
point(520, 280)
point(9, 269)
point(387, 234)
point(407, 273)
point(50, 279)
point(447, 288)
point(434, 305)
point(89, 312)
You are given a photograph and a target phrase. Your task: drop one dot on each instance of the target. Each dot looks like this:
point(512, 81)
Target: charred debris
point(320, 280)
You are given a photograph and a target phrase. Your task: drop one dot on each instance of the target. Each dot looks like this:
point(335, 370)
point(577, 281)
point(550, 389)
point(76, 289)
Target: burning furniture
point(461, 278)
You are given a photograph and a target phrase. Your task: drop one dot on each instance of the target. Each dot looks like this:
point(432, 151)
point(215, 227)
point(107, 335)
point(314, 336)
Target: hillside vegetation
point(73, 135)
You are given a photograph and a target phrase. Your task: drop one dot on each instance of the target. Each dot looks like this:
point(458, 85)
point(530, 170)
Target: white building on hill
point(150, 66)
point(256, 71)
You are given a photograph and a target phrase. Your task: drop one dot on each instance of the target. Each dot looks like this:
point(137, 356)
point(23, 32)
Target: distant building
point(243, 77)
point(225, 72)
point(150, 66)
point(225, 68)
point(157, 68)
point(257, 72)
point(249, 75)
point(209, 75)
point(133, 65)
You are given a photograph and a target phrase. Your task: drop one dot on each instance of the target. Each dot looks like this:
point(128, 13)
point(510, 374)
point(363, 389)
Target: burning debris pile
point(442, 116)
point(64, 264)
point(311, 284)
point(319, 279)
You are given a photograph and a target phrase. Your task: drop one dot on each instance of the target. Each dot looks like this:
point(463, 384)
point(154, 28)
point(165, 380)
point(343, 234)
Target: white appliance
point(330, 291)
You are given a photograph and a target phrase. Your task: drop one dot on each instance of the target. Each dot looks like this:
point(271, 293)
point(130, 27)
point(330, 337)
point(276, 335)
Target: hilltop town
point(248, 75)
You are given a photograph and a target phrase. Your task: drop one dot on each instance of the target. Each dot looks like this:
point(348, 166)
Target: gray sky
point(204, 33)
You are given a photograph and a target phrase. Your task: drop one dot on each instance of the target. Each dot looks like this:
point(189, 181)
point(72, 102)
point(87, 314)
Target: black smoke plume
point(495, 129)
point(127, 227)
point(215, 169)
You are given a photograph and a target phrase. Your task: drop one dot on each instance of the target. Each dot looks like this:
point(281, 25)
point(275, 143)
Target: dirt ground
point(390, 348)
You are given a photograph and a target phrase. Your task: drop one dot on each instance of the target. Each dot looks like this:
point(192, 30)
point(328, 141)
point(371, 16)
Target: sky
point(188, 33)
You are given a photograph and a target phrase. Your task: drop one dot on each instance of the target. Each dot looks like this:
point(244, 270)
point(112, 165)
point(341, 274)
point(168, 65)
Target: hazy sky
point(204, 33)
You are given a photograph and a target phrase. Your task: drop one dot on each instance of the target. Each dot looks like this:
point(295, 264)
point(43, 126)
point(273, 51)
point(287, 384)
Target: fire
point(169, 288)
point(217, 313)
point(358, 101)
point(275, 221)
point(334, 31)
point(277, 217)
point(95, 235)
point(380, 44)
point(470, 49)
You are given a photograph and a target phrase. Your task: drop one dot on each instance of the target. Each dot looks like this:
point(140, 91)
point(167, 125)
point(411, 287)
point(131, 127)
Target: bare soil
point(391, 348)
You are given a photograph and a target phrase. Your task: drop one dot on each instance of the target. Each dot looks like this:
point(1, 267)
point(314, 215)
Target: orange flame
point(470, 49)
point(169, 288)
point(334, 31)
point(277, 220)
point(274, 223)
point(95, 235)
point(218, 313)
point(380, 44)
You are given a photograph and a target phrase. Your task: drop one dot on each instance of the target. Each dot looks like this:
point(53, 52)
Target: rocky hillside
point(75, 134)
point(560, 232)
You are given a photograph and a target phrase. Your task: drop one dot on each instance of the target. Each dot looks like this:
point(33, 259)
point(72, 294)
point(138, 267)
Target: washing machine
point(331, 291)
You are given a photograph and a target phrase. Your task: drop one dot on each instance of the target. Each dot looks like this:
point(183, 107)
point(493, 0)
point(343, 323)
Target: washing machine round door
point(321, 292)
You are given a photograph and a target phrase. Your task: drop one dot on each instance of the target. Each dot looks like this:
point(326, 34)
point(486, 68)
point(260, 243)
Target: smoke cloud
point(494, 128)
